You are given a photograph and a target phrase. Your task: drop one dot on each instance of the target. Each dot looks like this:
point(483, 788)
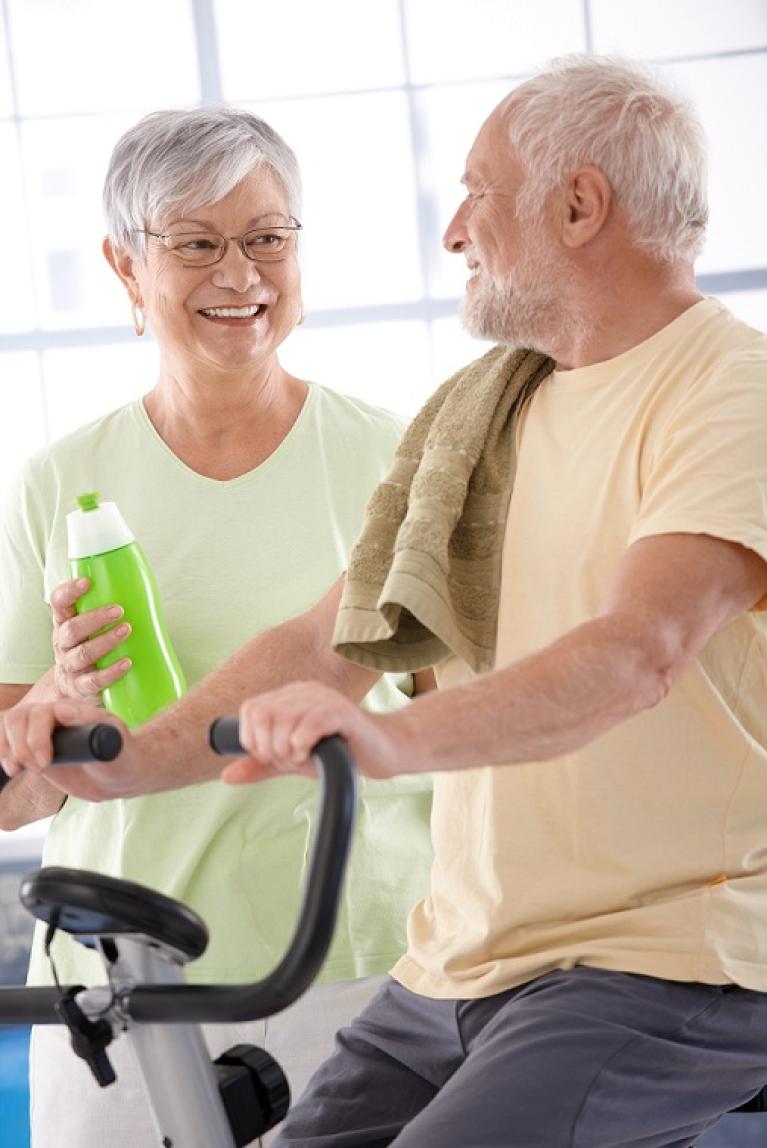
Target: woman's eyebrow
point(274, 216)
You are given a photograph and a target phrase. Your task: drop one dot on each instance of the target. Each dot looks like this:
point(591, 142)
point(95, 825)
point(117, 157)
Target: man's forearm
point(543, 706)
point(175, 744)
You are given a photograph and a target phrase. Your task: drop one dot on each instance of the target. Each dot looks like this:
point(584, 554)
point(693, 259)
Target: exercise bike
point(145, 939)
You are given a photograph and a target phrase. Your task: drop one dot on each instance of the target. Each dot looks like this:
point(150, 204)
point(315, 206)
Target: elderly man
point(575, 535)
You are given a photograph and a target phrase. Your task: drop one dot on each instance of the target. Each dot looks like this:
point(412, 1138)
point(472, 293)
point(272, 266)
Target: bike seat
point(89, 905)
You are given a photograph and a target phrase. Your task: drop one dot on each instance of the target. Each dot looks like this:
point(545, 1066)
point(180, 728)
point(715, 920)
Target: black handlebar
point(78, 743)
point(308, 947)
point(97, 742)
point(224, 736)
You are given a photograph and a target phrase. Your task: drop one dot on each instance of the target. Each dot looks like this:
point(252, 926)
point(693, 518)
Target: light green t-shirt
point(231, 559)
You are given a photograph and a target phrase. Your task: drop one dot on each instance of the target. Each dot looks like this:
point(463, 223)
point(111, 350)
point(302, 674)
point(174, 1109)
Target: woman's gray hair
point(180, 159)
point(619, 117)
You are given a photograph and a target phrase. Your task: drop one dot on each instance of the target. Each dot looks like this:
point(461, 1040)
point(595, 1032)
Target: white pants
point(69, 1110)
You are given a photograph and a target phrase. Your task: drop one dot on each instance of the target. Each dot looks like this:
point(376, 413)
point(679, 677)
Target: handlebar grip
point(224, 736)
point(96, 742)
point(193, 1004)
point(78, 743)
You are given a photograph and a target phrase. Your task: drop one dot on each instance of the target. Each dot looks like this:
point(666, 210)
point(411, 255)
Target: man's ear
point(586, 204)
point(121, 262)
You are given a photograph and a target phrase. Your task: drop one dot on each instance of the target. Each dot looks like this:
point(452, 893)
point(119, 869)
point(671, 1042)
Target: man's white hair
point(621, 118)
point(181, 159)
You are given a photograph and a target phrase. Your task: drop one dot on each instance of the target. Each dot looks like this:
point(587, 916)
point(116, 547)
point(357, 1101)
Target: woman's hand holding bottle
point(79, 640)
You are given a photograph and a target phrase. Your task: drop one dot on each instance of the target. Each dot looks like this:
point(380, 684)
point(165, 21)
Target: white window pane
point(453, 348)
point(65, 163)
point(17, 306)
point(294, 47)
point(449, 119)
point(476, 39)
point(750, 306)
point(658, 29)
point(6, 95)
point(730, 96)
point(360, 238)
point(83, 383)
point(86, 54)
point(386, 364)
point(24, 843)
point(22, 420)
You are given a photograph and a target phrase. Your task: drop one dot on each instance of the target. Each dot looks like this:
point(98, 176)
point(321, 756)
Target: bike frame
point(148, 1003)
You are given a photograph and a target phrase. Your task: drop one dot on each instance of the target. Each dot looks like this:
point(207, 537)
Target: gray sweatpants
point(583, 1058)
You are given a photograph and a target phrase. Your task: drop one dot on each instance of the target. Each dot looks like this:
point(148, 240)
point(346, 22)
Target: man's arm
point(667, 597)
point(177, 740)
point(172, 749)
point(28, 797)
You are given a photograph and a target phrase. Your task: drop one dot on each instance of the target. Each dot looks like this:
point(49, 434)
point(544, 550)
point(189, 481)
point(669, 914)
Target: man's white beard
point(495, 311)
point(525, 308)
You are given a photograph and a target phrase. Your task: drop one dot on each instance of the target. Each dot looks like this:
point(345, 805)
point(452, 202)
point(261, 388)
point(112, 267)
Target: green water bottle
point(103, 549)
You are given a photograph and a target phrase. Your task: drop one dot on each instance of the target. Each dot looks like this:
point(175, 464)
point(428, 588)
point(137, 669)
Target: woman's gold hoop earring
point(301, 317)
point(139, 318)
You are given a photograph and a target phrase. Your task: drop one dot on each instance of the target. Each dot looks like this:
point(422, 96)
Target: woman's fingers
point(65, 596)
point(80, 641)
point(81, 657)
point(71, 634)
point(86, 686)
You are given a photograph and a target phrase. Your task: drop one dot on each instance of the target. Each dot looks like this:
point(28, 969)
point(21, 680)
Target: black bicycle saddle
point(89, 905)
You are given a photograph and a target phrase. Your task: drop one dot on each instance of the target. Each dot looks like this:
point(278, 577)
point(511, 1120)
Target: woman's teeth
point(233, 312)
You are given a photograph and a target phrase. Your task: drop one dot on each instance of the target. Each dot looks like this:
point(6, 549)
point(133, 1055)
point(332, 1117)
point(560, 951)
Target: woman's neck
point(222, 426)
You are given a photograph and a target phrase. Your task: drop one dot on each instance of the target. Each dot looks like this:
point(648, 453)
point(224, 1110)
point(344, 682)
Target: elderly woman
point(246, 486)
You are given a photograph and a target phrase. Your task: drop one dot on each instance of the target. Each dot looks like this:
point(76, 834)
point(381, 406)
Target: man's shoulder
point(709, 353)
point(732, 336)
point(738, 360)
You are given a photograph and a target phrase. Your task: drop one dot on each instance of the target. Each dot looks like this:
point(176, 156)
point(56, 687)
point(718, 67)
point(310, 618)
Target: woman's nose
point(235, 270)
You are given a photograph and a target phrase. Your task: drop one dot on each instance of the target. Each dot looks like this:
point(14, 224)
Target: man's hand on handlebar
point(78, 643)
point(25, 744)
point(280, 728)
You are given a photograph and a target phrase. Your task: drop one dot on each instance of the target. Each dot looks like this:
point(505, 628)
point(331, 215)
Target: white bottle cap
point(96, 527)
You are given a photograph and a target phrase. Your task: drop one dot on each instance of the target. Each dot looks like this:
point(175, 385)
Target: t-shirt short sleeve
point(25, 617)
point(707, 472)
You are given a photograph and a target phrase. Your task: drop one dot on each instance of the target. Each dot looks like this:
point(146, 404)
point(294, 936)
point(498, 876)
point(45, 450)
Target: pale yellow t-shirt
point(646, 851)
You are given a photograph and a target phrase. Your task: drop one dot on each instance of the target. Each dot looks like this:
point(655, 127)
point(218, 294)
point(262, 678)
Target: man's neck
point(633, 306)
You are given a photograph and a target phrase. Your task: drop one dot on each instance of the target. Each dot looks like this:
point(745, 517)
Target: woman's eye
point(199, 245)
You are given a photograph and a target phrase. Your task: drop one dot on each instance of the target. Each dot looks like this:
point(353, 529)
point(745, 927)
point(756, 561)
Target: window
point(381, 102)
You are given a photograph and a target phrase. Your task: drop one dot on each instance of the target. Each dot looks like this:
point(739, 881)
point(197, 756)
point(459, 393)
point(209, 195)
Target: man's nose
point(456, 237)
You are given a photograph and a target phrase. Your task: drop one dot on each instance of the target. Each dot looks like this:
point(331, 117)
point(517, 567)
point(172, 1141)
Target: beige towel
point(424, 577)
